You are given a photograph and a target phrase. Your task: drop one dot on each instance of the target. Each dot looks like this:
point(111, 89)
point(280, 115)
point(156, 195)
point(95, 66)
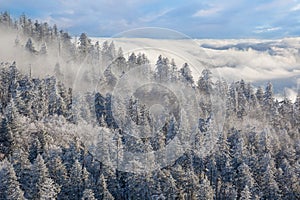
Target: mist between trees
point(48, 121)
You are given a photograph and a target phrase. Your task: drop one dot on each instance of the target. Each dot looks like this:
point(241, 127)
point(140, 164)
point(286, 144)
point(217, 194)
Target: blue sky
point(195, 18)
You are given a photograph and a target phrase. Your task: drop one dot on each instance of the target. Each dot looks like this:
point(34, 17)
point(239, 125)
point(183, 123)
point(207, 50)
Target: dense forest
point(47, 123)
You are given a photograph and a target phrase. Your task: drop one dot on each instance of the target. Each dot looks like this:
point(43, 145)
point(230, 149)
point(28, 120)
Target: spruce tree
point(43, 186)
point(10, 187)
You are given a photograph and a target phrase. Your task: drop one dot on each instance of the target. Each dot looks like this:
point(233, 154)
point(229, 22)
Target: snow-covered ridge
point(254, 60)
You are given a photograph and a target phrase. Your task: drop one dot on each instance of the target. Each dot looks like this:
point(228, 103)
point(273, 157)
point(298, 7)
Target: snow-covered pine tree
point(205, 190)
point(79, 181)
point(9, 186)
point(84, 45)
point(43, 50)
point(43, 186)
point(59, 174)
point(6, 139)
point(30, 46)
point(186, 74)
point(88, 194)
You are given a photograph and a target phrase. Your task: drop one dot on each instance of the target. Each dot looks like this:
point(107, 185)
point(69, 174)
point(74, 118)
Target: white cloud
point(276, 4)
point(68, 12)
point(231, 64)
point(207, 12)
point(59, 21)
point(265, 29)
point(153, 16)
point(296, 8)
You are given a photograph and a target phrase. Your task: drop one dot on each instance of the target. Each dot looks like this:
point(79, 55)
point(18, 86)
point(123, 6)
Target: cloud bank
point(254, 60)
